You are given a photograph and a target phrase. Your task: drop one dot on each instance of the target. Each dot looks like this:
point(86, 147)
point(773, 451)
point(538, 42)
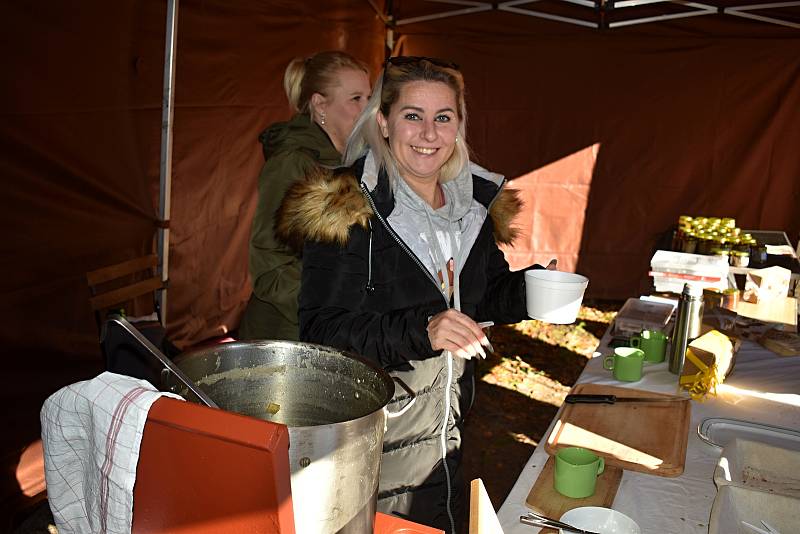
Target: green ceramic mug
point(576, 472)
point(626, 364)
point(653, 343)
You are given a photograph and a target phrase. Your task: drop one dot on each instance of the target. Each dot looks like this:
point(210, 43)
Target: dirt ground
point(519, 391)
point(521, 387)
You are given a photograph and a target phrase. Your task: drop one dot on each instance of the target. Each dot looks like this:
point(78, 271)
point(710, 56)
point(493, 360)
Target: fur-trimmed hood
point(327, 203)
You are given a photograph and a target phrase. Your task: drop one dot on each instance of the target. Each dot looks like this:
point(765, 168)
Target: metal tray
point(720, 432)
point(759, 466)
point(733, 505)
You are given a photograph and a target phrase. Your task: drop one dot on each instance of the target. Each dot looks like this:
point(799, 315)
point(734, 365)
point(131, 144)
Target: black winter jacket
point(362, 290)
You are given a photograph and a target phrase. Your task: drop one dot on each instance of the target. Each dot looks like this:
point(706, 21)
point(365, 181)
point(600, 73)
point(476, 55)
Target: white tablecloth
point(768, 391)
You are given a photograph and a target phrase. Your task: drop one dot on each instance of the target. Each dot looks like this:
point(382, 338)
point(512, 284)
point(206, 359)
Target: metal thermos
point(687, 325)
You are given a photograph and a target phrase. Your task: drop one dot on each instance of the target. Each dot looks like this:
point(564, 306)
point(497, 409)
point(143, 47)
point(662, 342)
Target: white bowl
point(554, 296)
point(602, 520)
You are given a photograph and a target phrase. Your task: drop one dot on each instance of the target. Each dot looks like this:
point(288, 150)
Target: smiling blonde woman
point(400, 261)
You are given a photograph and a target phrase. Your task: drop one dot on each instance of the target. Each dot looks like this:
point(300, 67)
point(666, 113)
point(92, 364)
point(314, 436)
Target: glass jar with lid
point(740, 258)
point(721, 252)
point(743, 246)
point(730, 298)
point(689, 244)
point(759, 257)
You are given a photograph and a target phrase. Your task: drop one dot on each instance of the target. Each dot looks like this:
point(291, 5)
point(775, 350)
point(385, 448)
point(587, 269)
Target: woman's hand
point(553, 265)
point(454, 331)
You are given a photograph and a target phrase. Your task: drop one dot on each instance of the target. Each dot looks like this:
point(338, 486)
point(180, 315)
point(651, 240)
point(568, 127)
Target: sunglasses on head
point(399, 61)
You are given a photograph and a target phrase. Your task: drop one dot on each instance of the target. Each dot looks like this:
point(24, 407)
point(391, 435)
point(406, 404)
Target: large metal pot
point(334, 405)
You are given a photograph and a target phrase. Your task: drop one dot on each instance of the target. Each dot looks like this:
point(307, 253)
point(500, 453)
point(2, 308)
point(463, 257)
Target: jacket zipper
point(499, 190)
point(402, 245)
point(414, 258)
point(446, 415)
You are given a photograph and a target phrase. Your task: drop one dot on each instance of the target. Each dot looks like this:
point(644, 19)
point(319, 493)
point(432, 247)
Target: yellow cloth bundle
point(709, 359)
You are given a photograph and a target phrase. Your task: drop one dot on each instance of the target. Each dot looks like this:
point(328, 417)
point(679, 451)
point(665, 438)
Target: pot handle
point(405, 408)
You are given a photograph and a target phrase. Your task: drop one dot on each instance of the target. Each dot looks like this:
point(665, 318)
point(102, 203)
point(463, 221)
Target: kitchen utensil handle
point(410, 403)
point(135, 336)
point(540, 521)
point(755, 528)
point(590, 399)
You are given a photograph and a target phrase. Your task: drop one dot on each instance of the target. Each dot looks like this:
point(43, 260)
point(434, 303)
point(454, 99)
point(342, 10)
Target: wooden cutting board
point(482, 517)
point(544, 499)
point(782, 311)
point(647, 437)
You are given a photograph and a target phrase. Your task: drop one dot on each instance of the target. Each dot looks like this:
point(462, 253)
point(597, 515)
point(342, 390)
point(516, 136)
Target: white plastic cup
point(554, 296)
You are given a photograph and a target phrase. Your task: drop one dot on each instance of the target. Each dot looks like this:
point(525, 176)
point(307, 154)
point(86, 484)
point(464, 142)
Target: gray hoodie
point(455, 225)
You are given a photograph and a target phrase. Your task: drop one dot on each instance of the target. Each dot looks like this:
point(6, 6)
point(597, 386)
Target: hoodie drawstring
point(438, 258)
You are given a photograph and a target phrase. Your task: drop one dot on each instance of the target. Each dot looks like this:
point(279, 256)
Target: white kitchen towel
point(91, 433)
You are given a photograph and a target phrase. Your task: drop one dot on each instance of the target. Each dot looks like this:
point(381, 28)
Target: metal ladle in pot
point(120, 326)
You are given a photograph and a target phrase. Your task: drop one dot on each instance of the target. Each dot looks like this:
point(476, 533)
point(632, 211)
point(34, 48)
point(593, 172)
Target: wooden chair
point(114, 286)
point(113, 289)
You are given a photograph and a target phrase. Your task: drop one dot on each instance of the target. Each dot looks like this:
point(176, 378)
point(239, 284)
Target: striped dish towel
point(91, 432)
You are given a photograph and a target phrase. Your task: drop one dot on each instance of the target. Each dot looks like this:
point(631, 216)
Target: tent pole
point(165, 183)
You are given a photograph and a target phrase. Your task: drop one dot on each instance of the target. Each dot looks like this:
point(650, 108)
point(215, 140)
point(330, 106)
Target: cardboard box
point(764, 285)
point(782, 311)
point(716, 351)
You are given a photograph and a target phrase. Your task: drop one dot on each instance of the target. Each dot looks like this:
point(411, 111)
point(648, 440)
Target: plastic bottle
point(688, 321)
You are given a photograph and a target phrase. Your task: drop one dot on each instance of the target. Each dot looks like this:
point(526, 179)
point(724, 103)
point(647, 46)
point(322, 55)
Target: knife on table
point(583, 398)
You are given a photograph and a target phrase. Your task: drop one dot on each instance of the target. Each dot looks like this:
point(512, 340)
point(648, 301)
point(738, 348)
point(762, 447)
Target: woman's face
point(342, 104)
point(421, 128)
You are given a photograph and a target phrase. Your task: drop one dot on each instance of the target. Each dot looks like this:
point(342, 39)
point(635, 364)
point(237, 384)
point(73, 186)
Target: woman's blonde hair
point(399, 71)
point(315, 74)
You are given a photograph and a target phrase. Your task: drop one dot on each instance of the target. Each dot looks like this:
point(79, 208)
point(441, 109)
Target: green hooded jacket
point(291, 149)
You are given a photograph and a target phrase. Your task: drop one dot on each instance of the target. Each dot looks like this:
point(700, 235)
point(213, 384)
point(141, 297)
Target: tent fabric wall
point(81, 132)
point(610, 135)
point(80, 103)
point(230, 72)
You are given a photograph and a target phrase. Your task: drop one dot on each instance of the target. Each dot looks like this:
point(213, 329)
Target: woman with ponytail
point(327, 91)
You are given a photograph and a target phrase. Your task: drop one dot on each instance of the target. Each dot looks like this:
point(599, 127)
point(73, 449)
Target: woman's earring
point(456, 139)
point(322, 118)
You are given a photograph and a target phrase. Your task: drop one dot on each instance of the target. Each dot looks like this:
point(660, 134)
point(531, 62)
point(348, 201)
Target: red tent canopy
point(610, 132)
